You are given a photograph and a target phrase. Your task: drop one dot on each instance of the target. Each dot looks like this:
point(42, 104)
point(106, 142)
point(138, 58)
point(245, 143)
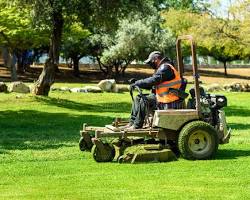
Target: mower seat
point(191, 101)
point(180, 104)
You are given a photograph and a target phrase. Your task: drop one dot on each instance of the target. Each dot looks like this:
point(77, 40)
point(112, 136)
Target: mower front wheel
point(105, 153)
point(198, 140)
point(85, 145)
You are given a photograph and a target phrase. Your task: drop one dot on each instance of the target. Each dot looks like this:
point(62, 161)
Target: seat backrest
point(183, 84)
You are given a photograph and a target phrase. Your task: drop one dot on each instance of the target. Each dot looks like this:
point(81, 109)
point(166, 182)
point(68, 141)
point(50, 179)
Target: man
point(164, 78)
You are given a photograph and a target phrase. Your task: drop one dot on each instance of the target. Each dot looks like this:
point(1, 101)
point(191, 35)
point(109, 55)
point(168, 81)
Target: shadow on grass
point(29, 129)
point(3, 152)
point(231, 154)
point(237, 111)
point(103, 107)
point(239, 126)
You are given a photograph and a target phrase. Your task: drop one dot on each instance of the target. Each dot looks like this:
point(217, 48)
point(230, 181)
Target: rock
point(19, 87)
point(122, 88)
point(74, 90)
point(227, 87)
point(19, 96)
point(93, 89)
point(237, 87)
point(246, 87)
point(108, 85)
point(3, 87)
point(214, 87)
point(54, 89)
point(64, 89)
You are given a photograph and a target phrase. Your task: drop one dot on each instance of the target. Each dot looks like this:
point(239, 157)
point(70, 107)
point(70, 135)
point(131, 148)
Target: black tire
point(82, 145)
point(105, 154)
point(85, 145)
point(198, 140)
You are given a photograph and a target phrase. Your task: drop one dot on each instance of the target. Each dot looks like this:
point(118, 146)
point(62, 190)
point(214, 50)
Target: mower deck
point(130, 145)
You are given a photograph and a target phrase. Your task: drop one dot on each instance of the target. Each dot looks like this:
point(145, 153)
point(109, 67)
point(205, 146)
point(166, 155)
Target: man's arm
point(164, 73)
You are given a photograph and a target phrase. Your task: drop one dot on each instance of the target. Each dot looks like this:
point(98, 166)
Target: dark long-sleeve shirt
point(163, 73)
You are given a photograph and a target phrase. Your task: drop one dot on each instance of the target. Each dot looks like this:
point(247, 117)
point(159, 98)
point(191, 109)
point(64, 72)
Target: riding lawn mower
point(194, 131)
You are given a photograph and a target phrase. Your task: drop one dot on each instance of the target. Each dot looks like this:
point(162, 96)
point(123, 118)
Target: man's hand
point(132, 86)
point(132, 80)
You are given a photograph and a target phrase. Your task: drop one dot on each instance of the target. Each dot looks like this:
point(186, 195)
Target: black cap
point(152, 56)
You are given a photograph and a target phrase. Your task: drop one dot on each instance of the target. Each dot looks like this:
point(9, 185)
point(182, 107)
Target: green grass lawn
point(40, 159)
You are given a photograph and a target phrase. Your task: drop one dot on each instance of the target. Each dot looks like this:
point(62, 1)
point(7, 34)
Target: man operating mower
point(165, 79)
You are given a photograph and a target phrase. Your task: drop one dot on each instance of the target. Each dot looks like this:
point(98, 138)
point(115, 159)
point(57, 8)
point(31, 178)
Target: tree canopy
point(116, 32)
point(220, 38)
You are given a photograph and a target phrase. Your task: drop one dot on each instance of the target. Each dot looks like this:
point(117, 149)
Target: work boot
point(126, 126)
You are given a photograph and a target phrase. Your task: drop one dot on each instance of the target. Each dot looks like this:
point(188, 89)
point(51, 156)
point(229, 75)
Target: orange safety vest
point(162, 90)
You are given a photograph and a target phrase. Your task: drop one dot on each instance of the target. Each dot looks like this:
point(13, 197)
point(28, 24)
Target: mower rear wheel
point(105, 154)
point(198, 140)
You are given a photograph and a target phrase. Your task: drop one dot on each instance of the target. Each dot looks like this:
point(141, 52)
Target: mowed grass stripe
point(39, 156)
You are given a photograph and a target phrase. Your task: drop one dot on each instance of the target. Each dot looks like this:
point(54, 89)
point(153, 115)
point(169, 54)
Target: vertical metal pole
point(196, 77)
point(179, 57)
point(194, 66)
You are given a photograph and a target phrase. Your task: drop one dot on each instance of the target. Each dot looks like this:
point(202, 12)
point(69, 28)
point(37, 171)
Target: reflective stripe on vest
point(168, 84)
point(162, 90)
point(163, 93)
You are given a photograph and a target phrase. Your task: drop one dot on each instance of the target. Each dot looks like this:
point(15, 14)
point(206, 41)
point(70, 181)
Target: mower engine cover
point(219, 101)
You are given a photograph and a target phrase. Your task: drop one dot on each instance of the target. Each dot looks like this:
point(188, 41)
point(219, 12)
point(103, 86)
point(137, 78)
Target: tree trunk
point(225, 68)
point(11, 65)
point(117, 70)
point(9, 57)
point(5, 56)
point(27, 60)
point(69, 63)
point(110, 72)
point(103, 68)
point(20, 62)
point(76, 66)
point(47, 77)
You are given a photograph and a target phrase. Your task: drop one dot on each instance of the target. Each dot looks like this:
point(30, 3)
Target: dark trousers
point(141, 106)
point(145, 104)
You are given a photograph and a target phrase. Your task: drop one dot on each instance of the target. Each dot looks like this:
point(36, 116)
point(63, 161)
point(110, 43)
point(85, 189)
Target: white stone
point(94, 89)
point(107, 85)
point(18, 87)
point(64, 89)
point(214, 87)
point(75, 90)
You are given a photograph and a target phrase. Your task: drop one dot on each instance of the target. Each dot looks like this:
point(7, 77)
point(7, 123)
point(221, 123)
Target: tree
point(111, 41)
point(75, 44)
point(133, 40)
point(97, 16)
point(17, 34)
point(221, 39)
point(216, 37)
point(52, 10)
point(190, 5)
point(50, 14)
point(240, 11)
